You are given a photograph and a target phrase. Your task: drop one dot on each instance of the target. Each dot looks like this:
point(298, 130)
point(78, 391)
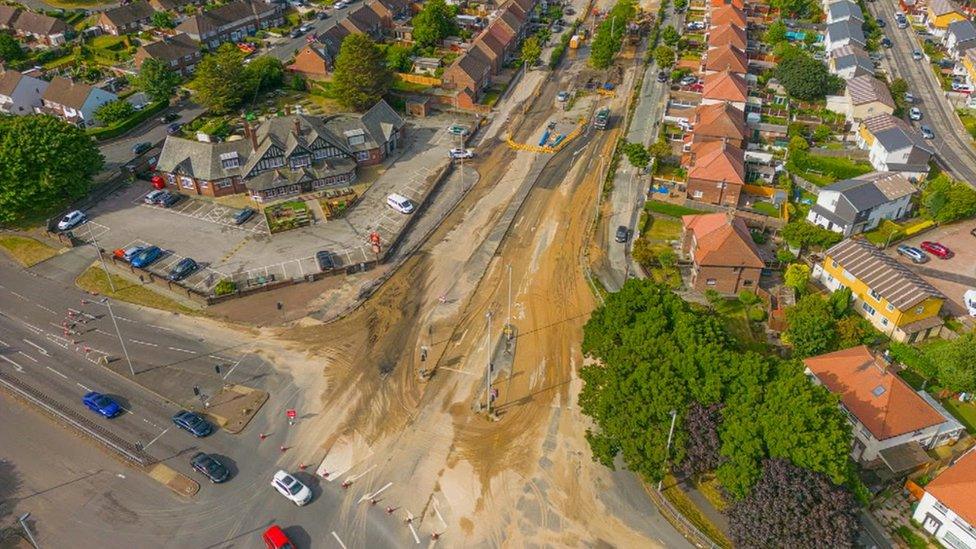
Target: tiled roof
point(852, 55)
point(845, 8)
point(728, 14)
point(849, 29)
point(474, 64)
point(720, 120)
point(943, 7)
point(38, 24)
point(489, 42)
point(875, 395)
point(727, 34)
point(9, 81)
point(717, 161)
point(864, 193)
point(233, 13)
point(721, 241)
point(737, 3)
point(67, 93)
point(725, 86)
point(955, 487)
point(867, 89)
point(8, 14)
point(896, 283)
point(963, 31)
point(727, 58)
point(171, 48)
point(129, 13)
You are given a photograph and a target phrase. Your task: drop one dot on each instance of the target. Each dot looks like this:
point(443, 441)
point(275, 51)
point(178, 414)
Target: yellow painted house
point(894, 299)
point(940, 13)
point(969, 62)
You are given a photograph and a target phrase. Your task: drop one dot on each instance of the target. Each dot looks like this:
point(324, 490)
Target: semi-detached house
point(231, 22)
point(947, 510)
point(894, 146)
point(857, 205)
point(20, 94)
point(33, 26)
point(181, 53)
point(73, 102)
point(723, 255)
point(126, 18)
point(867, 96)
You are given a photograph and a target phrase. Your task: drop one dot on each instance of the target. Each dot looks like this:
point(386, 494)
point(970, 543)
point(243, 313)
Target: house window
point(720, 185)
point(868, 309)
point(355, 137)
point(875, 295)
point(204, 184)
point(230, 160)
point(747, 283)
point(890, 307)
point(884, 321)
point(223, 184)
point(363, 155)
point(711, 282)
point(847, 274)
point(941, 508)
point(187, 182)
point(920, 309)
point(301, 160)
point(697, 194)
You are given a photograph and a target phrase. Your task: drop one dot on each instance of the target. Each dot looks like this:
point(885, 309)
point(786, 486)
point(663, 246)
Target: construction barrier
point(547, 149)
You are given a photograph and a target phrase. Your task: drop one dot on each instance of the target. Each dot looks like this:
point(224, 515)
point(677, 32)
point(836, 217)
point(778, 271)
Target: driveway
point(952, 142)
point(118, 152)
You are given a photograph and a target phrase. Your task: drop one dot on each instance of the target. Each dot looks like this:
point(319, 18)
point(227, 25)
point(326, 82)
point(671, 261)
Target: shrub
point(225, 287)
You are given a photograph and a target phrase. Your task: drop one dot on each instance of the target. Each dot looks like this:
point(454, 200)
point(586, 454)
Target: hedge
point(119, 128)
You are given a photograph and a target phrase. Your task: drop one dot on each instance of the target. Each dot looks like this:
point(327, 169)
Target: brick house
point(312, 62)
point(724, 257)
point(492, 48)
point(718, 122)
point(716, 173)
point(726, 58)
point(179, 52)
point(725, 86)
point(391, 11)
point(126, 18)
point(947, 509)
point(364, 20)
point(73, 102)
point(726, 34)
point(171, 5)
point(34, 26)
point(231, 22)
point(20, 94)
point(284, 156)
point(728, 14)
point(471, 71)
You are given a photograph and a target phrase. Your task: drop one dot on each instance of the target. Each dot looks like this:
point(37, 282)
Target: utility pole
point(101, 258)
point(667, 451)
point(508, 322)
point(23, 524)
point(488, 369)
point(119, 333)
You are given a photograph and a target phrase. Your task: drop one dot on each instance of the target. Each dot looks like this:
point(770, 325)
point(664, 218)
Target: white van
point(399, 203)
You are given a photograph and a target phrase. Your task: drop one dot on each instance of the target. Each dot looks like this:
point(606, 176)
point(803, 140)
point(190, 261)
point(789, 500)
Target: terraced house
point(231, 22)
point(898, 302)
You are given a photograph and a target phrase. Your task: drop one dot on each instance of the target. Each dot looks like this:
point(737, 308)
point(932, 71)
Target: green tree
point(266, 73)
point(776, 32)
point(898, 87)
point(801, 234)
point(298, 83)
point(434, 23)
point(637, 155)
point(114, 111)
point(794, 8)
point(156, 79)
point(954, 362)
point(805, 78)
point(811, 328)
point(399, 57)
point(796, 276)
point(221, 80)
point(45, 163)
point(664, 56)
point(162, 20)
point(610, 33)
point(10, 49)
point(946, 200)
point(361, 76)
point(854, 330)
point(670, 36)
point(840, 302)
point(531, 51)
point(660, 150)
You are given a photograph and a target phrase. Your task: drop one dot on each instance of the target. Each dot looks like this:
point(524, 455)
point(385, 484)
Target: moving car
point(917, 55)
point(291, 488)
point(243, 215)
point(72, 220)
point(916, 255)
point(147, 257)
point(927, 132)
point(209, 467)
point(915, 113)
point(153, 196)
point(936, 249)
point(142, 147)
point(192, 423)
point(275, 538)
point(183, 269)
point(622, 234)
point(461, 153)
point(101, 404)
point(325, 261)
point(457, 129)
point(399, 203)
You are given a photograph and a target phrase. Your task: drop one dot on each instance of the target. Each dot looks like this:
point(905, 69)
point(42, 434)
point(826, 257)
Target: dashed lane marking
point(140, 342)
point(18, 295)
point(182, 350)
point(42, 350)
point(17, 367)
point(56, 372)
point(48, 309)
point(83, 388)
point(27, 356)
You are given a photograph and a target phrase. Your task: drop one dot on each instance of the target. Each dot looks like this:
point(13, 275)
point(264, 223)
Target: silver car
point(912, 253)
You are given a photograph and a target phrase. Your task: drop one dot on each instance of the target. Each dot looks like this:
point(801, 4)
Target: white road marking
point(36, 346)
point(34, 328)
point(27, 356)
point(48, 309)
point(457, 371)
point(143, 343)
point(122, 318)
point(182, 350)
point(86, 389)
point(103, 332)
point(18, 295)
point(16, 366)
point(57, 372)
point(161, 328)
point(5, 344)
point(150, 443)
point(336, 536)
point(412, 529)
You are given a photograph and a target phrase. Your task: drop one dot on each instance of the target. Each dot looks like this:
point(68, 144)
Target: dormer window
point(355, 137)
point(301, 160)
point(230, 160)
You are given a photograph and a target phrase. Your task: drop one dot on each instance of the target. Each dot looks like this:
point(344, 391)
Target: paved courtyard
point(205, 231)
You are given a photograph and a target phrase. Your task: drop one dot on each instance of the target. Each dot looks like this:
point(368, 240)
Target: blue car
point(101, 404)
point(147, 257)
point(192, 423)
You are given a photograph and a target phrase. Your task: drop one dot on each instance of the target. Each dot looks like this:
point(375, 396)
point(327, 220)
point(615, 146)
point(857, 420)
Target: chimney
point(298, 127)
point(251, 135)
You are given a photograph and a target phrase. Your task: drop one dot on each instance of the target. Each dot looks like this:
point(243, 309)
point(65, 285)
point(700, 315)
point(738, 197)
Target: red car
point(275, 538)
point(936, 249)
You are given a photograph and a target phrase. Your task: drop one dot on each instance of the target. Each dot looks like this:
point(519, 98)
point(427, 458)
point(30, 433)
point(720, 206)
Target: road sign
point(291, 414)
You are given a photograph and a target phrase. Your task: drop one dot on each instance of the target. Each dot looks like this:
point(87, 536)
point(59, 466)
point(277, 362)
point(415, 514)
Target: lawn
point(739, 324)
point(95, 280)
point(26, 251)
point(287, 215)
point(824, 170)
point(663, 228)
point(969, 121)
point(913, 540)
point(711, 489)
point(666, 208)
point(766, 208)
point(965, 412)
point(683, 504)
point(402, 85)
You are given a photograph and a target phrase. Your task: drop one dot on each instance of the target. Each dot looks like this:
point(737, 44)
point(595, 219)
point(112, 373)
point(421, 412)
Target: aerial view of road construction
point(512, 273)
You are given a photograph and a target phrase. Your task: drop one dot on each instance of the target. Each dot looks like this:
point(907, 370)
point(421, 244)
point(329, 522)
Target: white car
point(915, 113)
point(969, 299)
point(291, 488)
point(461, 153)
point(72, 220)
point(340, 4)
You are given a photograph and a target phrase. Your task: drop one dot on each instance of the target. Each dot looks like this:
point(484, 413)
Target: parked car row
point(916, 255)
point(162, 198)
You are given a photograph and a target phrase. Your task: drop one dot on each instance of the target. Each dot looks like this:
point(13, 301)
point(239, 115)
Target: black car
point(140, 148)
point(192, 423)
point(174, 128)
point(209, 467)
point(881, 23)
point(323, 14)
point(325, 261)
point(242, 216)
point(662, 76)
point(183, 269)
point(622, 234)
point(885, 42)
point(169, 199)
point(169, 117)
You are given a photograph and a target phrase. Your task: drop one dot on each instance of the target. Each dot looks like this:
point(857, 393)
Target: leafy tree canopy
point(399, 57)
point(806, 78)
point(946, 200)
point(637, 155)
point(361, 76)
point(610, 33)
point(801, 234)
point(221, 80)
point(812, 329)
point(776, 32)
point(10, 49)
point(162, 20)
point(45, 163)
point(531, 51)
point(156, 79)
point(265, 73)
point(796, 276)
point(664, 56)
point(954, 362)
point(114, 111)
point(434, 23)
point(670, 36)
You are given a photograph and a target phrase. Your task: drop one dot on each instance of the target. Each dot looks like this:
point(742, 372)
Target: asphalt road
point(118, 152)
point(139, 512)
point(952, 142)
point(287, 48)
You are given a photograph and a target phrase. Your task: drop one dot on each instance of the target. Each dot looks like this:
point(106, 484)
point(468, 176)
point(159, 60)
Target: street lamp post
point(101, 258)
point(667, 450)
point(488, 369)
point(118, 332)
point(23, 524)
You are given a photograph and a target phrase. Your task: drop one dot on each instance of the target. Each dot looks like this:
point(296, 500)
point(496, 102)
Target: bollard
point(302, 466)
point(346, 483)
point(372, 501)
point(435, 535)
point(389, 510)
point(262, 436)
point(282, 447)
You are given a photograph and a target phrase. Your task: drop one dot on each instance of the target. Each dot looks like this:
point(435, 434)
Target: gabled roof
point(726, 86)
point(332, 39)
point(488, 42)
point(234, 13)
point(509, 22)
point(955, 487)
point(867, 192)
point(171, 47)
point(199, 159)
point(845, 9)
point(720, 120)
point(474, 64)
point(868, 89)
point(9, 81)
point(728, 33)
point(846, 30)
point(896, 283)
point(943, 7)
point(852, 55)
point(8, 14)
point(67, 93)
point(38, 24)
point(875, 395)
point(721, 241)
point(728, 14)
point(382, 121)
point(964, 31)
point(717, 161)
point(737, 3)
point(129, 13)
point(727, 58)
point(163, 5)
point(363, 19)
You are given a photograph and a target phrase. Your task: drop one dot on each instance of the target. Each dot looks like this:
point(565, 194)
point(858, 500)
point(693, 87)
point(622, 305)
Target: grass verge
point(912, 539)
point(692, 513)
point(94, 280)
point(26, 251)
